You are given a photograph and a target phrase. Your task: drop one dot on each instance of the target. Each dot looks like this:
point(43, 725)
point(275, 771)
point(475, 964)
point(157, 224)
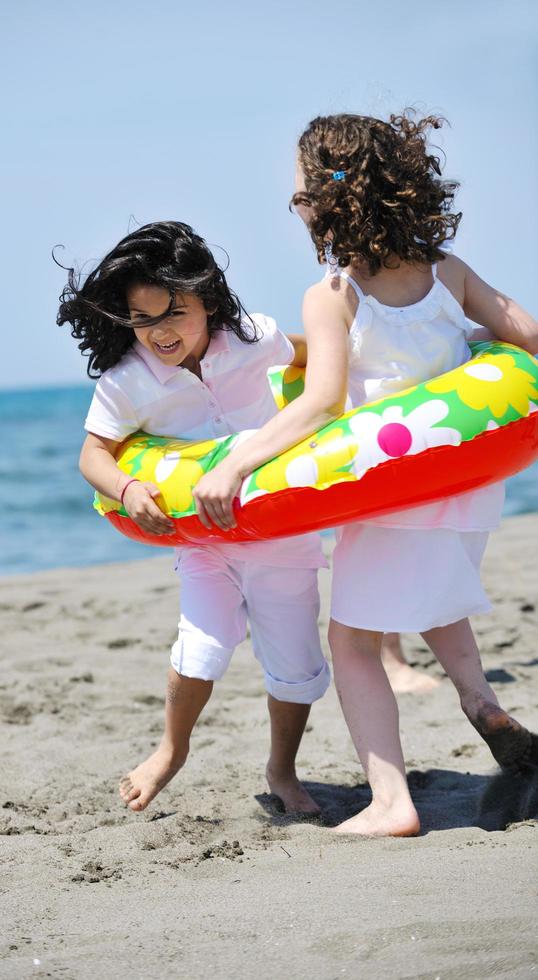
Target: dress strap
point(434, 271)
point(354, 285)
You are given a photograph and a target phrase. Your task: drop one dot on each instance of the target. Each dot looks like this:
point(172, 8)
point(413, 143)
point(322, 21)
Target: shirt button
point(218, 419)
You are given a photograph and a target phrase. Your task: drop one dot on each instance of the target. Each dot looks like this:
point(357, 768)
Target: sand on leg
point(371, 713)
point(511, 745)
point(185, 699)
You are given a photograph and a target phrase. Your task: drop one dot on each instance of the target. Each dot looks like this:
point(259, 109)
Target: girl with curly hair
point(391, 313)
point(177, 356)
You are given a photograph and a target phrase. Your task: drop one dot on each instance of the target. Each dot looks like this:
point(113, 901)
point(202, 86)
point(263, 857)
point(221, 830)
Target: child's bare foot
point(294, 797)
point(510, 744)
point(405, 679)
point(142, 784)
point(379, 821)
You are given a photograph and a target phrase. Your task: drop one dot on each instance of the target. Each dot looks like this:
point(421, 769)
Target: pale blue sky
point(192, 111)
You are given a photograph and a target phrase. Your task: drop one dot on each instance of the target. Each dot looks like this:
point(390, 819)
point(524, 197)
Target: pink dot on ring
point(394, 439)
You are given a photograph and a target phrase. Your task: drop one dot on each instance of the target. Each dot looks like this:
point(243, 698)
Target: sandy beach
point(211, 880)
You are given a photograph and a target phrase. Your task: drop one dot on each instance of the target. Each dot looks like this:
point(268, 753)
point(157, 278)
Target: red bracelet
point(128, 484)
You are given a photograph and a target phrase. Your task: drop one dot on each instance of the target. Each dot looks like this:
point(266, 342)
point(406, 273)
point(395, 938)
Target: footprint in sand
point(464, 750)
point(17, 714)
point(150, 700)
point(33, 605)
point(121, 642)
point(93, 872)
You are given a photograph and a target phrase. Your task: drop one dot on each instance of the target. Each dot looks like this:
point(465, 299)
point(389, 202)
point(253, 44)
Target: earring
point(330, 259)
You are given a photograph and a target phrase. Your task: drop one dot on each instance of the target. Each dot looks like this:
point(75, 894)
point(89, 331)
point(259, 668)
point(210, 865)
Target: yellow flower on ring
point(316, 462)
point(174, 467)
point(176, 492)
point(177, 471)
point(491, 381)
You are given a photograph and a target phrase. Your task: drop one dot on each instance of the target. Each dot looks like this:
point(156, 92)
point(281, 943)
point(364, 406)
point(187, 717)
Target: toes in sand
point(292, 794)
point(377, 821)
point(140, 786)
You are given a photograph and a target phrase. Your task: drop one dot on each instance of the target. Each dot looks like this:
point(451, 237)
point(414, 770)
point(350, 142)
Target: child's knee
point(346, 641)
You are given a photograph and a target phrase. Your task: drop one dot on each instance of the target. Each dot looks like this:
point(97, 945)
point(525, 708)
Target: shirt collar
point(219, 343)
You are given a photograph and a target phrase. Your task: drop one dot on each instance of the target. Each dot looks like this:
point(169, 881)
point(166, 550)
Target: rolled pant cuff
point(304, 692)
point(207, 663)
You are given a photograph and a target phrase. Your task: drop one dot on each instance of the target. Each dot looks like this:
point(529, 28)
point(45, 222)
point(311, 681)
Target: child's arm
point(299, 346)
point(99, 468)
point(482, 334)
point(324, 398)
point(505, 318)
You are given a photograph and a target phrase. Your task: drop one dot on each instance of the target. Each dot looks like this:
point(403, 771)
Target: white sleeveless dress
point(415, 569)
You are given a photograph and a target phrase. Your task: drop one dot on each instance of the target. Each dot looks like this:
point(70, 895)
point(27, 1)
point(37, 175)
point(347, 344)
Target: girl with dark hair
point(177, 356)
point(391, 313)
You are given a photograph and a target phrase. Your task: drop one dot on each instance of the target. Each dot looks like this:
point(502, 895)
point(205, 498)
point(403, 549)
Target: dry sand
point(211, 881)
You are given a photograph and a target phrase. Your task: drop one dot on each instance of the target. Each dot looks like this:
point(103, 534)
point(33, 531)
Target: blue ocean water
point(47, 519)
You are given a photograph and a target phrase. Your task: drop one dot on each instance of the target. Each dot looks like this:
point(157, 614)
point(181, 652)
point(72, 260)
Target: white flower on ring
point(166, 465)
point(393, 434)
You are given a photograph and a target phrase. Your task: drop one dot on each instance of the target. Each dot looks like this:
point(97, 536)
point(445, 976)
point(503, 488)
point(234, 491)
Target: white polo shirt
point(140, 392)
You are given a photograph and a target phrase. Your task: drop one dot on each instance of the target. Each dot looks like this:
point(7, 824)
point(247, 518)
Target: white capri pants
point(218, 595)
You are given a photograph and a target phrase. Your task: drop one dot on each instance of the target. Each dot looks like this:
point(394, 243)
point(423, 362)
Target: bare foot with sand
point(292, 794)
point(512, 746)
point(378, 821)
point(140, 786)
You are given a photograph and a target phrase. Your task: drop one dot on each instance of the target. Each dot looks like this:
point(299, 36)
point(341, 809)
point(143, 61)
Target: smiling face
point(182, 334)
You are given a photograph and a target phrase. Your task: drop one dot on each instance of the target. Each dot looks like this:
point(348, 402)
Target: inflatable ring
point(462, 430)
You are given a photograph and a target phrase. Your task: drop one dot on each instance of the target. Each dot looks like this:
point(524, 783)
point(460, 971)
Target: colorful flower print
point(316, 462)
point(493, 382)
point(180, 491)
point(287, 383)
point(497, 387)
point(393, 434)
point(174, 465)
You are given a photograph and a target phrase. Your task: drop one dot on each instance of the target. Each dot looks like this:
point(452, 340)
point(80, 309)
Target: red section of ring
point(394, 485)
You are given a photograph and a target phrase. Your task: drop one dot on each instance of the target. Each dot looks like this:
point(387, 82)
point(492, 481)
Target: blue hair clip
point(339, 175)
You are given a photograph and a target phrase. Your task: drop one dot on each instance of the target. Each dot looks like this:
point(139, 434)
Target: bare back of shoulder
point(336, 296)
point(451, 272)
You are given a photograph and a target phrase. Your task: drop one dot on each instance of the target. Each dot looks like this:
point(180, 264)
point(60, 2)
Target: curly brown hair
point(388, 200)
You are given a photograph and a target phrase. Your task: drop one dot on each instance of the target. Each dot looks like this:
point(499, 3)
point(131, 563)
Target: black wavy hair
point(165, 253)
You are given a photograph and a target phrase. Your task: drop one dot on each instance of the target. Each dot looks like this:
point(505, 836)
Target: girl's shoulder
point(257, 326)
point(451, 272)
point(332, 296)
point(266, 326)
point(267, 334)
point(128, 366)
point(128, 379)
point(271, 345)
point(268, 345)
